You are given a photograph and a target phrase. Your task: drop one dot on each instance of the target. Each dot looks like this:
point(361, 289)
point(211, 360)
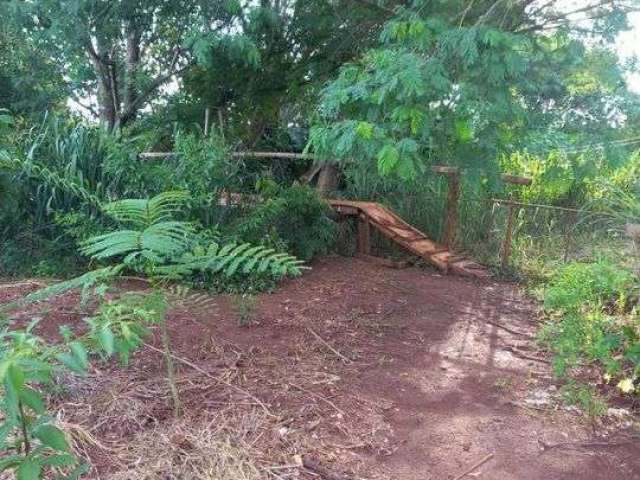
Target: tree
point(30, 83)
point(118, 55)
point(460, 86)
point(300, 45)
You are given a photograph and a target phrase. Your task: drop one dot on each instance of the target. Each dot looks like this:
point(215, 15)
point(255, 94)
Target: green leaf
point(388, 158)
point(59, 460)
point(107, 340)
point(463, 130)
point(29, 469)
point(71, 362)
point(6, 119)
point(80, 354)
point(32, 399)
point(365, 130)
point(15, 375)
point(5, 429)
point(52, 437)
point(11, 406)
point(10, 462)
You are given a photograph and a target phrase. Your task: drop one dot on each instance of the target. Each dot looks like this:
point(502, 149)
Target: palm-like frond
point(83, 281)
point(141, 213)
point(231, 259)
point(153, 235)
point(159, 240)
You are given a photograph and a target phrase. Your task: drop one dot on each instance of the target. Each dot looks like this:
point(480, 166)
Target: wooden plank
point(279, 155)
point(157, 155)
point(249, 154)
point(408, 237)
point(445, 170)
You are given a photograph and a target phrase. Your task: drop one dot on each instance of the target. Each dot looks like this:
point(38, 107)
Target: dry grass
point(250, 413)
point(121, 421)
point(218, 446)
point(126, 429)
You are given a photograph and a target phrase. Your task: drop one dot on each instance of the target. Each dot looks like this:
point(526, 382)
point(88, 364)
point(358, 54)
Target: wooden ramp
point(373, 214)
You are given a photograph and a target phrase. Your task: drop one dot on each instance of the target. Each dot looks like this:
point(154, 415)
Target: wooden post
point(513, 210)
point(569, 227)
point(364, 235)
point(451, 214)
point(506, 245)
point(207, 114)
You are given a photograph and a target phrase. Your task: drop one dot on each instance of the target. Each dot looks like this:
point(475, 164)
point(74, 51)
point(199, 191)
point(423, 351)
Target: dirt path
point(414, 376)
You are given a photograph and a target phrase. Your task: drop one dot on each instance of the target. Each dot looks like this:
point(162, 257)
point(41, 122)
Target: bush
point(295, 219)
point(592, 322)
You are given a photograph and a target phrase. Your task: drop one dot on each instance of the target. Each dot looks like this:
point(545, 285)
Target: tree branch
point(89, 108)
point(143, 97)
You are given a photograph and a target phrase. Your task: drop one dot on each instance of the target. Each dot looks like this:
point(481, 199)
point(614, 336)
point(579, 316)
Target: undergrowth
point(593, 325)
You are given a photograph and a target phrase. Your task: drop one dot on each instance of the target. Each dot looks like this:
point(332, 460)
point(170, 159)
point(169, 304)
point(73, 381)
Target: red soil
point(432, 373)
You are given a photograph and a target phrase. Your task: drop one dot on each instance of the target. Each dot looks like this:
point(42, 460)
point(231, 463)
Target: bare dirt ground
point(363, 372)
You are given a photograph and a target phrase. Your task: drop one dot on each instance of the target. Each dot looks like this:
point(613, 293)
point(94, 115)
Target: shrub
point(592, 323)
point(293, 218)
point(588, 285)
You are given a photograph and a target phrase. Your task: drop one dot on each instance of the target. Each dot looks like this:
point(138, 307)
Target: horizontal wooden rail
point(535, 205)
point(279, 155)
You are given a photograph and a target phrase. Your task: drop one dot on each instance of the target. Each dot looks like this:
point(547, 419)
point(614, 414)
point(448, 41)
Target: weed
point(503, 384)
point(245, 307)
point(586, 398)
point(592, 324)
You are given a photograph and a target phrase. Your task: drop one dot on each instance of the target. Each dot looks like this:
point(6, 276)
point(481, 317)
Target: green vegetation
point(30, 367)
point(381, 90)
point(593, 321)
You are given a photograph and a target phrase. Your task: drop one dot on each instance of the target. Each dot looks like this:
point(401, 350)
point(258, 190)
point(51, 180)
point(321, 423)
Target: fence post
point(451, 213)
point(508, 237)
point(570, 225)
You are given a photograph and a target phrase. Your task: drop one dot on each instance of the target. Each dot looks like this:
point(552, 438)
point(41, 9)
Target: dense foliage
point(383, 90)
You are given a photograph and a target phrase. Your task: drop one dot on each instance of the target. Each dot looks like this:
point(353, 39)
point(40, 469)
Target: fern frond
point(142, 213)
point(162, 240)
point(231, 259)
point(83, 281)
point(111, 244)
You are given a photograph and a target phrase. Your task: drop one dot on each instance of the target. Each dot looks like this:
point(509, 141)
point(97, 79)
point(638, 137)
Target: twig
point(318, 396)
point(506, 329)
point(526, 357)
point(549, 446)
point(324, 342)
point(217, 379)
point(474, 466)
point(314, 466)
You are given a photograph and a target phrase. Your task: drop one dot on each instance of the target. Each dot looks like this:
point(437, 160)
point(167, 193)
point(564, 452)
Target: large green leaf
point(29, 469)
point(52, 437)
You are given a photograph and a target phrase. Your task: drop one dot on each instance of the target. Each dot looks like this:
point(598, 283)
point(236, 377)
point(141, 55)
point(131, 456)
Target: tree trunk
point(328, 179)
point(131, 69)
point(107, 97)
